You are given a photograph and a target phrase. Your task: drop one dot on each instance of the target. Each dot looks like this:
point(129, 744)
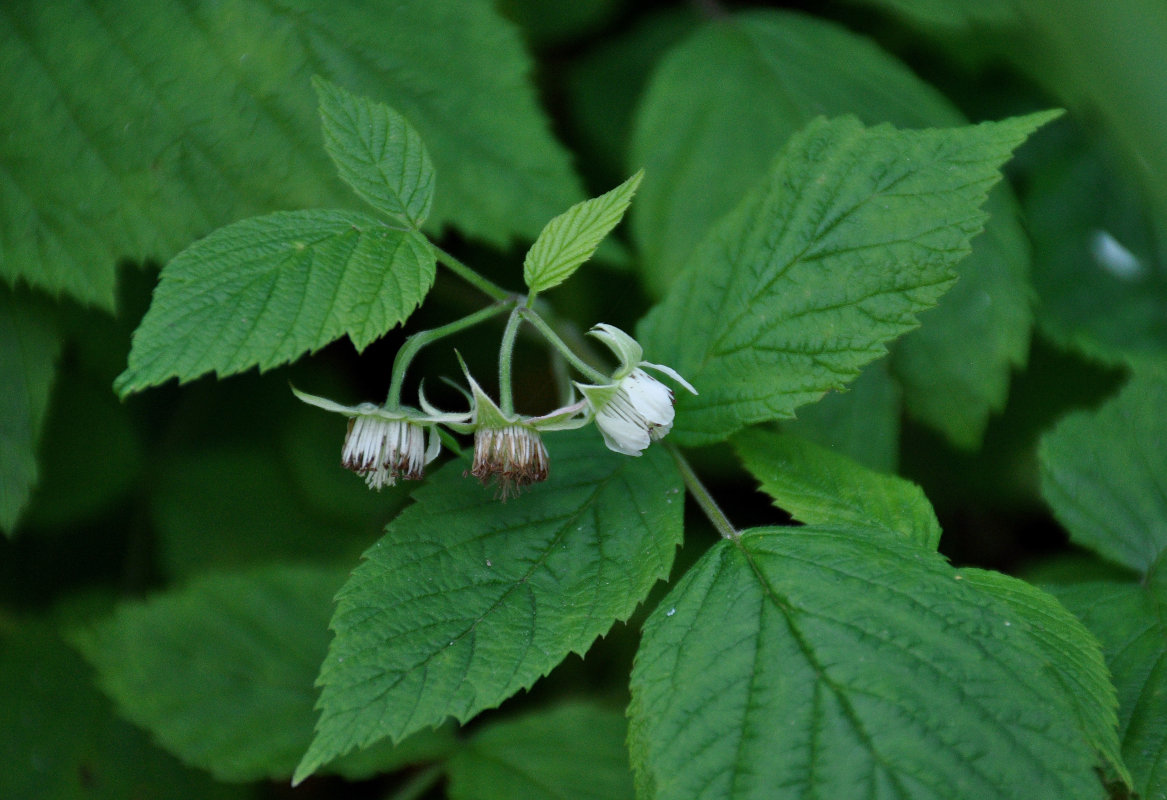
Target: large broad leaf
point(1071, 654)
point(819, 487)
point(108, 150)
point(838, 663)
point(63, 740)
point(862, 422)
point(378, 153)
point(853, 233)
point(571, 751)
point(29, 344)
point(1128, 618)
point(266, 290)
point(467, 600)
point(221, 672)
point(1104, 474)
point(1099, 256)
point(951, 15)
point(722, 104)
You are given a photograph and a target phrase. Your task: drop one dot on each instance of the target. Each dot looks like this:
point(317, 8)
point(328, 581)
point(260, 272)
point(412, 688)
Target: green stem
point(419, 784)
point(506, 349)
point(469, 275)
point(417, 341)
point(704, 499)
point(583, 367)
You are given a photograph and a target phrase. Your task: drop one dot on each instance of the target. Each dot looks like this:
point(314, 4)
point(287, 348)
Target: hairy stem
point(469, 275)
point(417, 341)
point(590, 372)
point(506, 350)
point(704, 499)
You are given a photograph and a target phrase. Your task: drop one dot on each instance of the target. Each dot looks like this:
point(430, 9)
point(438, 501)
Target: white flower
point(384, 444)
point(508, 449)
point(514, 457)
point(635, 409)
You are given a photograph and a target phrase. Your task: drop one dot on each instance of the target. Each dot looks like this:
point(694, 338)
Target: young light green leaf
point(1071, 654)
point(266, 290)
point(62, 738)
point(719, 108)
point(572, 751)
point(1104, 474)
point(108, 152)
point(571, 238)
point(819, 487)
point(834, 662)
point(853, 233)
point(466, 599)
point(1128, 618)
point(250, 642)
point(377, 152)
point(29, 345)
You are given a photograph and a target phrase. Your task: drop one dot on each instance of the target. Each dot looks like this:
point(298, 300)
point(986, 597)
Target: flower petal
point(672, 373)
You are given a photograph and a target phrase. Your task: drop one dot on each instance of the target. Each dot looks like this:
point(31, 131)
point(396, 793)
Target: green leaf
point(818, 487)
point(378, 153)
point(86, 425)
point(264, 291)
point(717, 111)
point(571, 238)
point(221, 671)
point(862, 422)
point(575, 750)
point(954, 15)
point(834, 662)
point(1128, 618)
point(29, 346)
point(62, 739)
point(1071, 654)
point(854, 232)
point(108, 151)
point(1099, 256)
point(1104, 474)
point(467, 600)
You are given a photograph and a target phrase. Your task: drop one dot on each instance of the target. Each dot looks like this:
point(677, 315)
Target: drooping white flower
point(384, 444)
point(508, 448)
point(635, 409)
point(513, 457)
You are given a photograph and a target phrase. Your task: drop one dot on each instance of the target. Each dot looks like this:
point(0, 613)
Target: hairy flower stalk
point(383, 444)
point(635, 409)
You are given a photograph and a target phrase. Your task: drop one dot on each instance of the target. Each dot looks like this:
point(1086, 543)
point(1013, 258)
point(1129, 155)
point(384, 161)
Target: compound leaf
point(221, 671)
point(29, 345)
point(819, 487)
point(852, 234)
point(1104, 473)
point(575, 750)
point(266, 290)
point(839, 662)
point(466, 599)
point(721, 105)
point(378, 153)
